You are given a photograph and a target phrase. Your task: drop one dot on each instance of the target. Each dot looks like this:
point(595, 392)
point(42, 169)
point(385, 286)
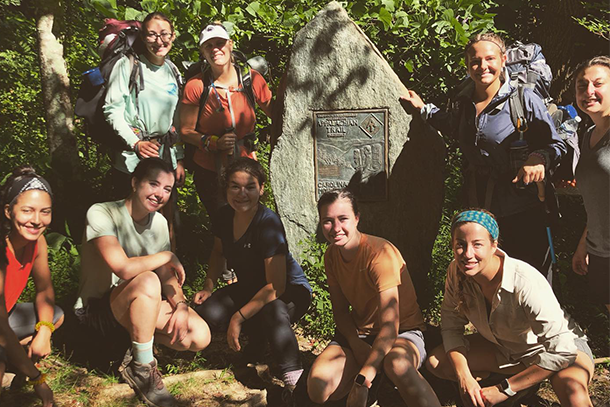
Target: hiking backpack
point(527, 68)
point(117, 39)
point(243, 67)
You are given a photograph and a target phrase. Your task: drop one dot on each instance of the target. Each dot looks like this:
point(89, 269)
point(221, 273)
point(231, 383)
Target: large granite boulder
point(335, 67)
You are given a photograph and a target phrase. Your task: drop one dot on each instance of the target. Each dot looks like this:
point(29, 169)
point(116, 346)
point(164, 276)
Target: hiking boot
point(145, 379)
point(126, 360)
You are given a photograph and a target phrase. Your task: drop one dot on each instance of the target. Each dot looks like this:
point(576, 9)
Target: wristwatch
point(505, 386)
point(361, 380)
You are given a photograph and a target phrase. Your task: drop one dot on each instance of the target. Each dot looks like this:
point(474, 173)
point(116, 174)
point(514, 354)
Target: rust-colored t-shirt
point(378, 266)
point(214, 122)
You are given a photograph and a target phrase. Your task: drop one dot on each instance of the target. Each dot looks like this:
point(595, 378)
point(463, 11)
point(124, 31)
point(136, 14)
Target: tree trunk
point(56, 96)
point(58, 112)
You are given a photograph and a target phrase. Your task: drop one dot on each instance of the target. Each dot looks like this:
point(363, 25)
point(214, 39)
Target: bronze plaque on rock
point(351, 148)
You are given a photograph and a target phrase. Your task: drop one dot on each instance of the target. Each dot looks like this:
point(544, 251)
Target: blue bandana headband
point(482, 219)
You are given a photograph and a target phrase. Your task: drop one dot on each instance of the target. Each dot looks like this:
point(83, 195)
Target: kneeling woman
point(383, 329)
point(131, 281)
point(271, 291)
point(26, 205)
point(522, 330)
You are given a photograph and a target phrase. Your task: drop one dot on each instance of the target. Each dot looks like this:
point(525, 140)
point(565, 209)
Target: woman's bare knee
point(199, 336)
point(572, 392)
point(147, 284)
point(438, 365)
point(397, 364)
point(317, 388)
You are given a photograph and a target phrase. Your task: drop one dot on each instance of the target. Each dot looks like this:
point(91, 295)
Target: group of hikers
point(130, 283)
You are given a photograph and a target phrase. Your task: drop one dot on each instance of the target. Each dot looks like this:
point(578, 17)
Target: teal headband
point(482, 219)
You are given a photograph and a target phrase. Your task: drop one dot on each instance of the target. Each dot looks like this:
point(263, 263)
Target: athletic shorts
point(415, 336)
point(583, 346)
point(22, 319)
point(98, 315)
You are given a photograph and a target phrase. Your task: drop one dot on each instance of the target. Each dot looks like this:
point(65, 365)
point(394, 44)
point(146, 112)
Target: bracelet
point(45, 323)
point(539, 155)
point(181, 302)
point(242, 315)
point(40, 379)
point(212, 140)
point(204, 141)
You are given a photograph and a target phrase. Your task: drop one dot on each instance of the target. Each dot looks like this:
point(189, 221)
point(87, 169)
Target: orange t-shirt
point(214, 123)
point(378, 266)
point(17, 274)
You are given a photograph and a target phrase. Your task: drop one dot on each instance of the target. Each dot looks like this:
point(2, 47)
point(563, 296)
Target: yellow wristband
point(42, 378)
point(47, 324)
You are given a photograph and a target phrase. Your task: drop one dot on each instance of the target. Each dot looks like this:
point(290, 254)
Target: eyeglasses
point(152, 36)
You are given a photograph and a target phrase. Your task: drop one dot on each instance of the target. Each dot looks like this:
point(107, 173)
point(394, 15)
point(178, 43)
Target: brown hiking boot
point(145, 379)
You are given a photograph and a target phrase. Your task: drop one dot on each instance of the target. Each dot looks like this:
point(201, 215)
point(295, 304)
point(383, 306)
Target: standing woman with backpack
point(495, 177)
point(26, 212)
point(592, 256)
point(144, 116)
point(220, 121)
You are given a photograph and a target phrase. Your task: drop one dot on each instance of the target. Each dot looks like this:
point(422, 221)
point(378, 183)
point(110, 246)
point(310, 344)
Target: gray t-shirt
point(593, 182)
point(113, 219)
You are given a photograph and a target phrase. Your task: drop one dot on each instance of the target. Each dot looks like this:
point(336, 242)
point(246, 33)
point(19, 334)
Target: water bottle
point(569, 127)
point(518, 154)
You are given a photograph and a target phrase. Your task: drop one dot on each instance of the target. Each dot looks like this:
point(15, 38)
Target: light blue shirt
point(157, 104)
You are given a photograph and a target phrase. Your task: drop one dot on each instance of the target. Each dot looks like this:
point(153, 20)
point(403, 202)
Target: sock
point(143, 352)
point(291, 378)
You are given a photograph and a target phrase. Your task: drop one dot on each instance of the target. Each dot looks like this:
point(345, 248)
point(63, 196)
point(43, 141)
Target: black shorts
point(97, 315)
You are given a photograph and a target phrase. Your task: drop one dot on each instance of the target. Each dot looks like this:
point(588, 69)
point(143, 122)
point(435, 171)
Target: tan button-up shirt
point(525, 321)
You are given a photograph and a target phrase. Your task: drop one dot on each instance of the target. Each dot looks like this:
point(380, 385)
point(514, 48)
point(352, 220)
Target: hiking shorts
point(22, 319)
point(415, 336)
point(98, 316)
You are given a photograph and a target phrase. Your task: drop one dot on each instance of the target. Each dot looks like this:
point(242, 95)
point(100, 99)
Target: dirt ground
point(229, 383)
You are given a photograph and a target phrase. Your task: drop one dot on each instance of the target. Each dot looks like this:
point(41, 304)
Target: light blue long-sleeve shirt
point(157, 104)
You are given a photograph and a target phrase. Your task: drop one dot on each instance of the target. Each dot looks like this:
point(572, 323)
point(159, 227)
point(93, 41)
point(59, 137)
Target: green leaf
point(147, 5)
point(253, 8)
point(389, 5)
point(107, 8)
point(409, 66)
point(359, 9)
point(386, 18)
point(55, 240)
point(132, 13)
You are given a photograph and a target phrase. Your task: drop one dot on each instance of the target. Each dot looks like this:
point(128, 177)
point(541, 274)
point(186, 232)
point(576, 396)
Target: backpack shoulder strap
point(206, 81)
point(136, 80)
point(517, 110)
point(177, 75)
point(246, 80)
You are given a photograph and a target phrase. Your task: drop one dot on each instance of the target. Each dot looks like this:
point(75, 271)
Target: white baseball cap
point(213, 31)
